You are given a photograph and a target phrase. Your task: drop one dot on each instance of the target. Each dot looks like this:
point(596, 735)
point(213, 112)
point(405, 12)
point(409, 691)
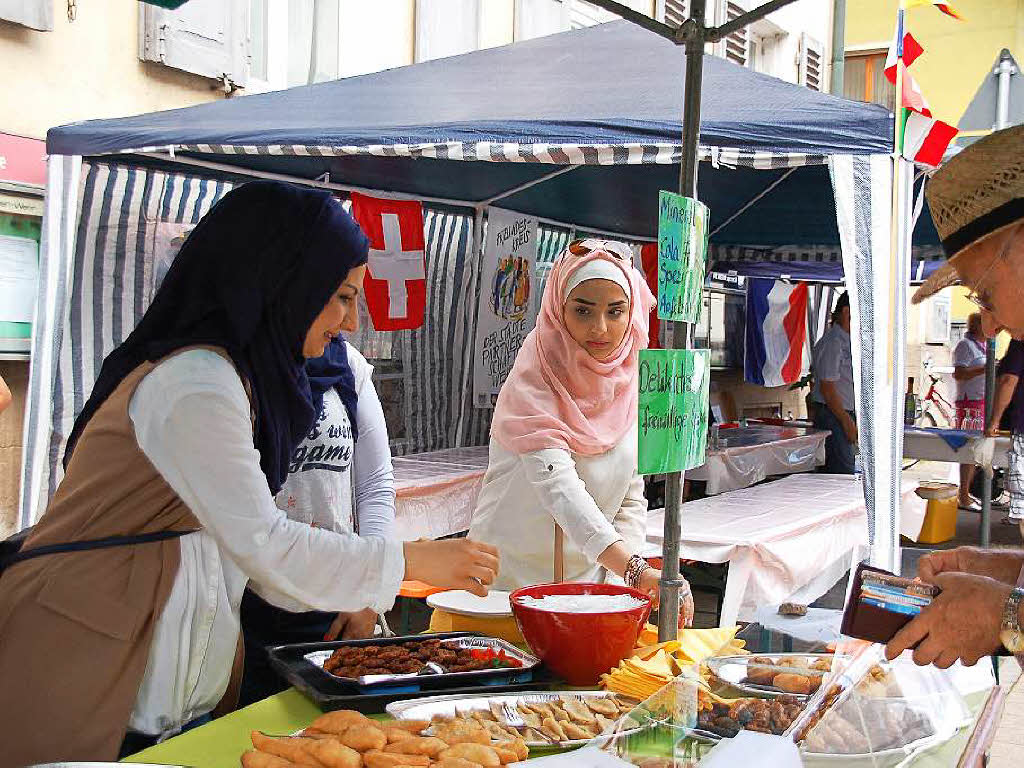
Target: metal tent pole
point(1004, 70)
point(986, 477)
point(693, 34)
point(680, 334)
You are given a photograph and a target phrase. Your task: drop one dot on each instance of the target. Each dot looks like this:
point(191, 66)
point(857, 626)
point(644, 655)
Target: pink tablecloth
point(787, 540)
point(436, 492)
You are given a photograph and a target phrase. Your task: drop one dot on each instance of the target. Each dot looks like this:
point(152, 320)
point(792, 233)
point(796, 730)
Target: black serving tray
point(331, 693)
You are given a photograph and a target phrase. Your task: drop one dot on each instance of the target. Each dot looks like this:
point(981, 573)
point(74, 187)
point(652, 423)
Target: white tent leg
point(877, 276)
point(57, 251)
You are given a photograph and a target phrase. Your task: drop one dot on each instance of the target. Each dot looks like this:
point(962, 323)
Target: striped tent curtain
point(110, 232)
point(130, 222)
point(127, 218)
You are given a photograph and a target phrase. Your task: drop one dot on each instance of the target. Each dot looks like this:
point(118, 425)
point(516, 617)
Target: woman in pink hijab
point(563, 448)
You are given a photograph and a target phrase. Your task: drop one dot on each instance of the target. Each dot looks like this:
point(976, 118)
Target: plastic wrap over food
point(655, 733)
point(878, 711)
point(749, 455)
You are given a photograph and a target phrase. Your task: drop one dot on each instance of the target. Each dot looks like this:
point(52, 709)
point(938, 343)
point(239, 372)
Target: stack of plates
point(463, 603)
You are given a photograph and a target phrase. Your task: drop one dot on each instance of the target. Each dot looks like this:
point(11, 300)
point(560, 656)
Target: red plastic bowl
point(580, 647)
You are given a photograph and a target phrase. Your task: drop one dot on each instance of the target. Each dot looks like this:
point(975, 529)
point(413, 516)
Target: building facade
point(108, 58)
point(958, 74)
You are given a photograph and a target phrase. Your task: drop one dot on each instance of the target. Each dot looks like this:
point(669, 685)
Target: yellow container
point(504, 627)
point(939, 521)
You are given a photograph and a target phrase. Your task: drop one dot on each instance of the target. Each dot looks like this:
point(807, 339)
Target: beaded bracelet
point(635, 569)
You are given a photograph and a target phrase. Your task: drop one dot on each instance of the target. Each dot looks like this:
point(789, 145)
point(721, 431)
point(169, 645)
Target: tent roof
point(528, 110)
point(613, 83)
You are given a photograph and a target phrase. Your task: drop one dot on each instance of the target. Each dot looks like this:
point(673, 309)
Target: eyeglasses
point(977, 295)
point(615, 248)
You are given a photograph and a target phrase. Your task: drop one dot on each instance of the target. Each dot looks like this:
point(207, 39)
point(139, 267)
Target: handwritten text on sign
point(507, 310)
point(682, 256)
point(672, 412)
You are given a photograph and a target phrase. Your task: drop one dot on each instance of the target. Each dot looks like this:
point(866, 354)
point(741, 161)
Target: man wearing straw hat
point(977, 203)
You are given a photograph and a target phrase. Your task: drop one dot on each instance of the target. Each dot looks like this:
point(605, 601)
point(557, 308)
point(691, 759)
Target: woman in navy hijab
point(203, 411)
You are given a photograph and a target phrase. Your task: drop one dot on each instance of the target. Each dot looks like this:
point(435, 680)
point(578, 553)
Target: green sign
point(682, 256)
point(672, 413)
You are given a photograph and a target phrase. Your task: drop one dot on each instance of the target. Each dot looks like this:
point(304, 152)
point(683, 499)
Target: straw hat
point(977, 194)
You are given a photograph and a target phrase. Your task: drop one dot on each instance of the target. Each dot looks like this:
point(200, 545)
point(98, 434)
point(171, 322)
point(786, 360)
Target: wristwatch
point(1010, 633)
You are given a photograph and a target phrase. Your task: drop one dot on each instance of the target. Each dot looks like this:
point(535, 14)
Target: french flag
point(776, 329)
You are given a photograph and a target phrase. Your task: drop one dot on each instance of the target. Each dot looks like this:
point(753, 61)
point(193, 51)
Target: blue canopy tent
point(580, 129)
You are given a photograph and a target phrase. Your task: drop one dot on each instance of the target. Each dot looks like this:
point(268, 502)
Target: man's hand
point(849, 427)
point(961, 623)
point(1001, 565)
point(353, 626)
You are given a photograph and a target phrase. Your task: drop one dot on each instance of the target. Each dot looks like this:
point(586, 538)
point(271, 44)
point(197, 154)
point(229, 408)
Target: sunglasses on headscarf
point(615, 248)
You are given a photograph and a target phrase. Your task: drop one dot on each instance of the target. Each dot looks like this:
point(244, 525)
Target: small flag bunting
point(913, 98)
point(925, 140)
point(911, 51)
point(946, 8)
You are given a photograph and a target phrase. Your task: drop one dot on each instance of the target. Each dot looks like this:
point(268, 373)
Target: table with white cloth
point(436, 492)
point(976, 448)
point(746, 456)
point(788, 540)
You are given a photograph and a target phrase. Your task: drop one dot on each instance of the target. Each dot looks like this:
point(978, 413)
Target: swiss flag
point(396, 285)
point(649, 261)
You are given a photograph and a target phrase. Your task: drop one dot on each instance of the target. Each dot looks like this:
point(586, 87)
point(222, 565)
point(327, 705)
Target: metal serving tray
point(330, 692)
point(461, 705)
point(527, 661)
point(733, 670)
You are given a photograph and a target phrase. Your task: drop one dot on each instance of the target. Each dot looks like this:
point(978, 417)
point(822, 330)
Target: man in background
point(1010, 395)
point(833, 394)
point(969, 373)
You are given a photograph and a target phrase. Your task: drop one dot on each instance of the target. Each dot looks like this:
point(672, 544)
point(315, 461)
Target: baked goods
point(544, 719)
point(409, 658)
point(794, 675)
point(763, 715)
point(858, 726)
point(350, 740)
point(792, 609)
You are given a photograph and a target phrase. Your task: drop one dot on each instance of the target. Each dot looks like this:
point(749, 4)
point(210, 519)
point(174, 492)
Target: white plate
point(464, 603)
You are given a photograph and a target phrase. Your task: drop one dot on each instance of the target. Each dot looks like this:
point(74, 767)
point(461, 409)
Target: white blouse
point(597, 500)
point(192, 420)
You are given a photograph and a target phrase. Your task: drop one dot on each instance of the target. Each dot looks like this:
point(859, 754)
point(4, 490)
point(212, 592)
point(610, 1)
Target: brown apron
point(76, 627)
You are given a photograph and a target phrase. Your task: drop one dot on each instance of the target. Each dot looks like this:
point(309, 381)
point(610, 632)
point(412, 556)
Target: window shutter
point(812, 63)
point(204, 37)
point(446, 28)
point(675, 12)
point(34, 14)
point(736, 47)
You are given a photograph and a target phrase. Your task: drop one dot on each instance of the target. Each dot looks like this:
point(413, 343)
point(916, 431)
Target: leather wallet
point(875, 620)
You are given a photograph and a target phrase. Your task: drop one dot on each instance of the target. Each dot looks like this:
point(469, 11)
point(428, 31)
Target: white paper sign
point(507, 312)
point(19, 276)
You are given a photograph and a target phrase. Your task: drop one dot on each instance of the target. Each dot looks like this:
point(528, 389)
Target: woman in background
point(563, 449)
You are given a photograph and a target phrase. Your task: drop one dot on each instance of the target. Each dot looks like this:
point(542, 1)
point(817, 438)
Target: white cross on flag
point(396, 285)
